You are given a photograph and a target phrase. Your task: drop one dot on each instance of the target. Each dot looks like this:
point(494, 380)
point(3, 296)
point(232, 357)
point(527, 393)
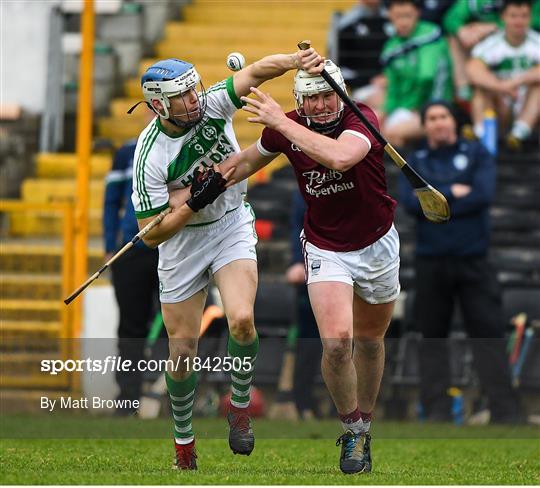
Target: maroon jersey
point(346, 210)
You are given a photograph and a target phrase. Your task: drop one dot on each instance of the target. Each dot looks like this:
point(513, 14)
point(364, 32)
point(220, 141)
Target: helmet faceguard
point(170, 78)
point(307, 85)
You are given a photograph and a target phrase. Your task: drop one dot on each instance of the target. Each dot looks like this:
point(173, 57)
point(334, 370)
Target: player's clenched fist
point(206, 187)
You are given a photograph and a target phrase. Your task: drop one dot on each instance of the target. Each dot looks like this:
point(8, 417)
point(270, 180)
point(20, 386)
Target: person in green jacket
point(466, 23)
point(417, 67)
point(535, 23)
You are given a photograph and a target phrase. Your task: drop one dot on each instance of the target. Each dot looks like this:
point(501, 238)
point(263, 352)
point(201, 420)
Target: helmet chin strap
point(137, 104)
point(323, 127)
point(180, 123)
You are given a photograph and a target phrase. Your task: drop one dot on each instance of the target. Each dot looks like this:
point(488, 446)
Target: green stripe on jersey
point(162, 129)
point(138, 167)
point(148, 142)
point(150, 212)
point(232, 94)
point(140, 170)
point(217, 87)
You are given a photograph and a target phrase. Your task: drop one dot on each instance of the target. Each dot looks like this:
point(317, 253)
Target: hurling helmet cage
point(306, 85)
point(171, 77)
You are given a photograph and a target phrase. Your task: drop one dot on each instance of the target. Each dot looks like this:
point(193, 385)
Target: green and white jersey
point(162, 162)
point(505, 60)
point(418, 68)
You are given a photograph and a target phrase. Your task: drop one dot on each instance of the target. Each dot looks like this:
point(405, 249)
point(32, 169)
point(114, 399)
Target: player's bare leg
point(370, 325)
point(237, 284)
point(531, 107)
point(481, 101)
point(459, 60)
point(332, 304)
point(526, 119)
point(183, 323)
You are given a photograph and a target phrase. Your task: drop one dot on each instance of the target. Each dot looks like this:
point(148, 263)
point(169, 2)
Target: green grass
point(403, 453)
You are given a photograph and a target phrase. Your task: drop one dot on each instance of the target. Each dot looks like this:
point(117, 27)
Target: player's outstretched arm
point(276, 65)
point(245, 163)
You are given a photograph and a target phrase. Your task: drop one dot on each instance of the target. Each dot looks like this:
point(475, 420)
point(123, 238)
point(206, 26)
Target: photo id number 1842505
point(218, 364)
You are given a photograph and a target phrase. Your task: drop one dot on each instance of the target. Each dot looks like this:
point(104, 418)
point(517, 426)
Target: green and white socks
point(182, 394)
point(242, 372)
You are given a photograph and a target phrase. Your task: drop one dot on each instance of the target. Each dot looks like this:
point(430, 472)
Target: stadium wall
point(24, 25)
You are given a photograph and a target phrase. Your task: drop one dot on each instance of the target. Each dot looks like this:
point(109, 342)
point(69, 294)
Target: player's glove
point(206, 187)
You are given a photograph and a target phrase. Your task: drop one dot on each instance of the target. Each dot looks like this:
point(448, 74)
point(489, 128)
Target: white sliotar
point(235, 61)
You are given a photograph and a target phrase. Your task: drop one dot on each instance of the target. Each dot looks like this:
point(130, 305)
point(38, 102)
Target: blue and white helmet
point(168, 78)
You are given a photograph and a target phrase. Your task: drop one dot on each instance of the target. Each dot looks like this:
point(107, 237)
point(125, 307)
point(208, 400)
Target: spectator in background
point(434, 10)
point(357, 39)
point(417, 68)
point(361, 33)
point(466, 24)
point(308, 351)
point(535, 22)
point(451, 264)
point(134, 274)
point(505, 72)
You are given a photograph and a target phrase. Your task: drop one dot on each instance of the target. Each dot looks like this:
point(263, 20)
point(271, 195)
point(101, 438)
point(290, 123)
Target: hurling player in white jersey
point(505, 71)
point(208, 232)
point(351, 247)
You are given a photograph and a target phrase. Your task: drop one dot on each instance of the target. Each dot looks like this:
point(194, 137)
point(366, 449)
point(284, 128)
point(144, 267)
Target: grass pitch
point(285, 453)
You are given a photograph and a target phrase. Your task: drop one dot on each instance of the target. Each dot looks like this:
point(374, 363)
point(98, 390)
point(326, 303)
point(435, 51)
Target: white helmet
point(168, 78)
point(306, 85)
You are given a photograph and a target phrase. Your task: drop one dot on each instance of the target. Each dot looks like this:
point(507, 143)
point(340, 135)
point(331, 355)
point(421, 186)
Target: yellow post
point(84, 141)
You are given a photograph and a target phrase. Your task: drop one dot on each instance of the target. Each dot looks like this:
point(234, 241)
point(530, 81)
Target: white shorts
point(373, 271)
point(199, 251)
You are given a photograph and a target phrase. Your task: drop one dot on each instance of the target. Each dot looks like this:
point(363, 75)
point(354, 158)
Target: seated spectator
point(466, 24)
point(505, 71)
point(535, 24)
point(417, 68)
point(308, 352)
point(360, 34)
point(452, 266)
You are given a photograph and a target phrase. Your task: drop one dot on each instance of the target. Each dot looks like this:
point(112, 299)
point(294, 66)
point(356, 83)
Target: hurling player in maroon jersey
point(351, 248)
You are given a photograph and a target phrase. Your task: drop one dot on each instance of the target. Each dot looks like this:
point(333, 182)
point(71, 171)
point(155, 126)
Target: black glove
point(206, 187)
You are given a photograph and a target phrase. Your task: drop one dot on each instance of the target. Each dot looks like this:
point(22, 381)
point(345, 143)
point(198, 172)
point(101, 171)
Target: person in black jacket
point(134, 274)
point(452, 265)
point(308, 343)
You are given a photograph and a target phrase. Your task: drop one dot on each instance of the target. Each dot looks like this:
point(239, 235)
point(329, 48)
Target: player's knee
point(241, 325)
point(181, 353)
point(337, 351)
point(370, 347)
